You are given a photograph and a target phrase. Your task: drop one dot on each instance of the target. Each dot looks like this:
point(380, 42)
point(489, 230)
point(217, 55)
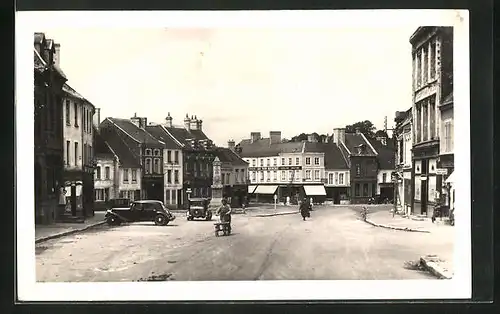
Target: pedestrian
point(224, 213)
point(305, 209)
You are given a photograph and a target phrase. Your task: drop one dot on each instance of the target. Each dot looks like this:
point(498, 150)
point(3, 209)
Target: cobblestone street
point(334, 244)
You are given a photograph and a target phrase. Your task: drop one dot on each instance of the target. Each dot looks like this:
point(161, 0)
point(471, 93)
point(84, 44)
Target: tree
point(366, 127)
point(299, 138)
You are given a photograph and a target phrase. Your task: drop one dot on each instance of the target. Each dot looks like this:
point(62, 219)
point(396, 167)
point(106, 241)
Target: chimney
point(274, 137)
point(311, 138)
point(358, 130)
point(325, 139)
point(187, 122)
point(200, 125)
point(57, 47)
point(97, 117)
point(168, 121)
point(231, 145)
point(254, 136)
point(338, 135)
point(143, 122)
point(136, 120)
point(193, 123)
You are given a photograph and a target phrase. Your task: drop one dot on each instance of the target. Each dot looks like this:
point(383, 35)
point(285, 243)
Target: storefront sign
point(275, 168)
point(441, 171)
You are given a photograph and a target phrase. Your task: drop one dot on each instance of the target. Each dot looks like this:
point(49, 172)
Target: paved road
point(333, 245)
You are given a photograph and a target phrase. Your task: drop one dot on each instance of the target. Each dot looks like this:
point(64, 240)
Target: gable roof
point(133, 131)
point(353, 140)
point(333, 156)
point(184, 136)
point(227, 155)
point(101, 148)
point(263, 148)
point(159, 133)
point(120, 148)
point(386, 153)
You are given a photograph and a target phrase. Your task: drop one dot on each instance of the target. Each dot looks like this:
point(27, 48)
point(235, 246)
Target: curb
point(434, 269)
point(276, 214)
point(395, 228)
point(65, 233)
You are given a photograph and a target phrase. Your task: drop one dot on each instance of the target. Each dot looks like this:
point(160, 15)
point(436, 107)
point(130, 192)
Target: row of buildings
point(63, 139)
point(424, 132)
point(140, 160)
point(343, 168)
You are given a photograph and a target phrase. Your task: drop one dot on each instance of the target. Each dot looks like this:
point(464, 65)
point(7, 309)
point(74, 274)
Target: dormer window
point(148, 152)
point(157, 152)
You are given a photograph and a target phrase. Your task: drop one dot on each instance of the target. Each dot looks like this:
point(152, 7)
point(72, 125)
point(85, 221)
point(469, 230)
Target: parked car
point(145, 210)
point(199, 208)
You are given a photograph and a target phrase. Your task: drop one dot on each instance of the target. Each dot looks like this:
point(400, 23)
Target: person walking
point(305, 209)
point(224, 213)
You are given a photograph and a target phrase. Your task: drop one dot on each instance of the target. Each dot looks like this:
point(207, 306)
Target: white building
point(404, 158)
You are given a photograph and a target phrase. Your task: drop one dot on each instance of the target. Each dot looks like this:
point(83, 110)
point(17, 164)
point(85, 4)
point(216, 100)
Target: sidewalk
point(385, 218)
point(47, 232)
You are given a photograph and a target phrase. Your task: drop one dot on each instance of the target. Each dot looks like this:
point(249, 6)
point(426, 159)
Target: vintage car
point(145, 210)
point(199, 208)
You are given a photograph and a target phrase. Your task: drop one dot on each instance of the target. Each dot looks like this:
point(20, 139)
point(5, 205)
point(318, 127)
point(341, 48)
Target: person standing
point(224, 213)
point(304, 209)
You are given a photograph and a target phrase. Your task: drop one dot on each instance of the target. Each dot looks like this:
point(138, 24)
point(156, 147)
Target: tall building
point(432, 54)
point(404, 140)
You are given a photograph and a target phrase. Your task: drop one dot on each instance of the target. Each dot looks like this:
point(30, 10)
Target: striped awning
point(314, 190)
point(266, 189)
point(251, 189)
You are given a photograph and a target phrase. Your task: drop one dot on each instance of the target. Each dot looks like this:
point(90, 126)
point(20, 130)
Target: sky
point(241, 80)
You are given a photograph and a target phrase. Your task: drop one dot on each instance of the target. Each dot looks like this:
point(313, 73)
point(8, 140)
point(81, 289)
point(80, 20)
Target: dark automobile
point(145, 210)
point(199, 208)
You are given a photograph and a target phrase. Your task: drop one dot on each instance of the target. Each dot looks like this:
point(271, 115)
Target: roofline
point(370, 144)
point(234, 153)
point(39, 56)
point(171, 136)
point(112, 151)
point(116, 125)
point(72, 96)
point(345, 146)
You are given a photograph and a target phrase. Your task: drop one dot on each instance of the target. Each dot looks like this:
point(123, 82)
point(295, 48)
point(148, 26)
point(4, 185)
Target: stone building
point(234, 175)
point(404, 139)
point(48, 130)
point(432, 54)
point(386, 155)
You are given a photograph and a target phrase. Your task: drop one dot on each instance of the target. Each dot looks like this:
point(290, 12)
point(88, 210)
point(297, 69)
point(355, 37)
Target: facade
point(48, 130)
point(234, 175)
point(385, 148)
point(197, 156)
point(404, 139)
point(432, 51)
point(118, 172)
point(147, 150)
point(78, 153)
point(173, 162)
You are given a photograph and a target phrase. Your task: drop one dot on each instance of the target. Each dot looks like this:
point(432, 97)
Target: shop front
point(315, 193)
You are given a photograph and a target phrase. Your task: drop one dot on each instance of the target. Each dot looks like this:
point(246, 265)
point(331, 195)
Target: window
point(176, 176)
point(98, 173)
point(223, 177)
point(425, 120)
point(316, 175)
point(268, 162)
point(290, 175)
point(157, 165)
point(262, 162)
point(297, 161)
point(76, 114)
point(341, 178)
point(169, 156)
point(356, 189)
point(425, 56)
point(308, 174)
point(125, 175)
point(176, 158)
point(99, 194)
point(297, 175)
point(275, 175)
point(76, 154)
point(228, 178)
point(330, 178)
point(432, 113)
point(148, 166)
point(134, 176)
point(157, 152)
point(316, 161)
point(365, 189)
point(432, 60)
point(254, 162)
point(262, 176)
point(448, 136)
point(68, 148)
point(268, 176)
point(254, 176)
point(283, 175)
point(148, 152)
point(275, 161)
point(68, 112)
point(384, 177)
point(237, 175)
point(308, 160)
point(107, 172)
point(169, 176)
point(174, 197)
point(419, 68)
point(358, 170)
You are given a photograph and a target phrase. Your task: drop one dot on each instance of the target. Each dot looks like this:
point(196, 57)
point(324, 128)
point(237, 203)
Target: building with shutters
point(234, 176)
point(385, 148)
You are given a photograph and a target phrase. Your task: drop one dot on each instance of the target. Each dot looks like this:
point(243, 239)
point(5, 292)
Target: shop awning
point(251, 189)
point(450, 178)
point(266, 189)
point(314, 190)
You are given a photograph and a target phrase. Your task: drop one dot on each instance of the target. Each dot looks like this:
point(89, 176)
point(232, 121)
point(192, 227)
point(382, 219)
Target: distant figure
point(288, 200)
point(311, 204)
point(305, 209)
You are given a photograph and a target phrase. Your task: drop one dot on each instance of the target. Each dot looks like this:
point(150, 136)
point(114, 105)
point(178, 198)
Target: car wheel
point(113, 221)
point(161, 220)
